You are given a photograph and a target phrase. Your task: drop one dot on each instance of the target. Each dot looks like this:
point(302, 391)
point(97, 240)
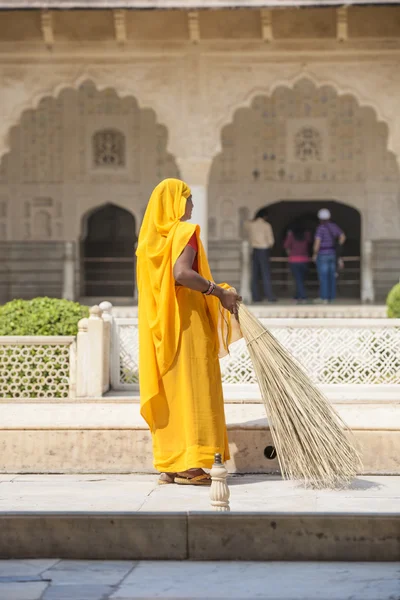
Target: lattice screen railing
point(337, 351)
point(37, 367)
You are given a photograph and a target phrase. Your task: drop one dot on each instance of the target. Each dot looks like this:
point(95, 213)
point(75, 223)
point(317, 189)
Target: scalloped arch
point(290, 85)
point(34, 101)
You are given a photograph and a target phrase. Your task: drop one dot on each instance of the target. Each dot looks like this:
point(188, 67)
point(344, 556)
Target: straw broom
point(308, 434)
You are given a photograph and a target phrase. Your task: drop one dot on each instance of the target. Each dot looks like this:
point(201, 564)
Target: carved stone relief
point(90, 140)
point(43, 219)
point(299, 139)
point(109, 148)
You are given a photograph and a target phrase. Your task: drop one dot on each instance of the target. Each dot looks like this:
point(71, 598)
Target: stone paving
point(249, 493)
point(126, 580)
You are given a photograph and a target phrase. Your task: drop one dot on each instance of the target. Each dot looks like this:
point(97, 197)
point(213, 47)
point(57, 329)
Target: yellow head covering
point(162, 239)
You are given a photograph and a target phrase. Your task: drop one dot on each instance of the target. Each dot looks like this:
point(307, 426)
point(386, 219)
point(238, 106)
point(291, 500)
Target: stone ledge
point(130, 451)
point(201, 536)
point(125, 415)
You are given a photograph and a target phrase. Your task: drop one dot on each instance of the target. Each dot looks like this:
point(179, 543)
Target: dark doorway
point(108, 253)
point(285, 214)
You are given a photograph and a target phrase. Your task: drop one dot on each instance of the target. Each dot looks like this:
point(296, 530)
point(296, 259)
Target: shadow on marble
point(237, 479)
point(80, 572)
point(22, 591)
point(83, 591)
point(26, 568)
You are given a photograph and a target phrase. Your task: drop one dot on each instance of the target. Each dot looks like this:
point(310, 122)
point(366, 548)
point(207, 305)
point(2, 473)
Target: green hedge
point(41, 316)
point(393, 302)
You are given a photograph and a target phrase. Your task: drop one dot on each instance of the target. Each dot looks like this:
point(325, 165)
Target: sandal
point(202, 479)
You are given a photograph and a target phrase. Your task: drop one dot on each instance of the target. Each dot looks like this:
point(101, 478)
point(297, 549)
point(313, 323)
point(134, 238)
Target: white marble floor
point(126, 580)
point(249, 493)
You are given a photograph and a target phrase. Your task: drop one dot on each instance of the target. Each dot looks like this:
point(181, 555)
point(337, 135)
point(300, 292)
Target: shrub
point(41, 316)
point(393, 302)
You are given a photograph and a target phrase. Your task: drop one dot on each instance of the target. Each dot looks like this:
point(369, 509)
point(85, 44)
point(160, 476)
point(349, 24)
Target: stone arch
point(53, 85)
point(50, 156)
point(245, 100)
point(260, 161)
point(66, 123)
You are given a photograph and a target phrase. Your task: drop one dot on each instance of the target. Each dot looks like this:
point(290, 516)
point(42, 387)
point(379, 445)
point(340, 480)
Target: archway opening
point(286, 214)
point(107, 252)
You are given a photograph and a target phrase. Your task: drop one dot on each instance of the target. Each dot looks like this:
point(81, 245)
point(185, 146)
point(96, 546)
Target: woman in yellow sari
point(184, 326)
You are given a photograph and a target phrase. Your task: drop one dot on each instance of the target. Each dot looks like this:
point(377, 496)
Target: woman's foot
point(166, 478)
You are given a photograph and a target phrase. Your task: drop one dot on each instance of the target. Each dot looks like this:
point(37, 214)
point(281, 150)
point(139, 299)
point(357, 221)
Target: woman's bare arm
point(184, 273)
point(187, 277)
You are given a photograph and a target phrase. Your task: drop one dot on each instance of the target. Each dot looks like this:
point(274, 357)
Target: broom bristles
point(309, 436)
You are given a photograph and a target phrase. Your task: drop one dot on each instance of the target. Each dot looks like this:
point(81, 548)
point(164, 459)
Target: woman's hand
point(229, 300)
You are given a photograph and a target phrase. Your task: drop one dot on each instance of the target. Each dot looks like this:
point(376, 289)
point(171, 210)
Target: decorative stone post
point(219, 492)
point(367, 285)
point(245, 289)
point(96, 353)
point(106, 308)
point(69, 272)
point(82, 358)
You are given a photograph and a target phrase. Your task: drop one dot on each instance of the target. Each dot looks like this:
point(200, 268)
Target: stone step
point(130, 517)
point(109, 436)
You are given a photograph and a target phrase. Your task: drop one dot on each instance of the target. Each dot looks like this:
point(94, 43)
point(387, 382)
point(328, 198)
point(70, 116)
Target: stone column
point(194, 171)
point(200, 211)
point(245, 277)
point(69, 272)
point(367, 274)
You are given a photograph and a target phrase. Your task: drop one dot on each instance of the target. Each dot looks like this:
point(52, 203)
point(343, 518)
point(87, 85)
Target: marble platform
point(108, 435)
point(131, 517)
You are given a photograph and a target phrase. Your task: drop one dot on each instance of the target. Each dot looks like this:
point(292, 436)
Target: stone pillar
point(367, 274)
point(200, 211)
point(195, 171)
point(96, 353)
point(245, 276)
point(107, 317)
point(69, 272)
point(82, 359)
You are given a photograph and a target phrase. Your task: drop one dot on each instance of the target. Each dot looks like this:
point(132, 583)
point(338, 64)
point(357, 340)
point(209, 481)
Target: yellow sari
point(181, 335)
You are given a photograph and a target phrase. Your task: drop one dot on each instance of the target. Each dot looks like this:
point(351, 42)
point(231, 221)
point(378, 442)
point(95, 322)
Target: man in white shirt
point(261, 238)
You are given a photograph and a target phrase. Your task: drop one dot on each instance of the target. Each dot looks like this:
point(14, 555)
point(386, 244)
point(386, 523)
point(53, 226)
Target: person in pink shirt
point(297, 246)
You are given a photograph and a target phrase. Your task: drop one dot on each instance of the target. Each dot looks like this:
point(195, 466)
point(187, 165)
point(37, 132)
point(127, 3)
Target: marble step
point(131, 517)
point(202, 536)
point(109, 436)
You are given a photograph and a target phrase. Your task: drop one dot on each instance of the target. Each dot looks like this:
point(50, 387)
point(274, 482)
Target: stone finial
point(219, 491)
point(95, 312)
point(83, 325)
point(106, 308)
